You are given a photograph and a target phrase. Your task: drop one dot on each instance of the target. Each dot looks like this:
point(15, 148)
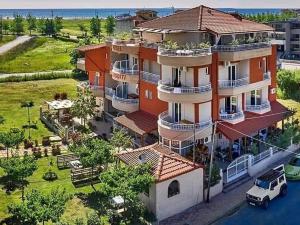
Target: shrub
point(63, 96)
point(56, 96)
point(56, 150)
point(46, 152)
point(27, 144)
point(36, 152)
point(46, 141)
point(50, 176)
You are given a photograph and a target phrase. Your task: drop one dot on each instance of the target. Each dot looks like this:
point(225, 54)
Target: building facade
point(186, 72)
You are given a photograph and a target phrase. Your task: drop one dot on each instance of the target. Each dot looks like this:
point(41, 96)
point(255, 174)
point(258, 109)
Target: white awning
point(60, 104)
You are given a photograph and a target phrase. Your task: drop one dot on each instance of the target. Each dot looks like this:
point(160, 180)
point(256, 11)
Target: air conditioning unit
point(206, 140)
point(273, 90)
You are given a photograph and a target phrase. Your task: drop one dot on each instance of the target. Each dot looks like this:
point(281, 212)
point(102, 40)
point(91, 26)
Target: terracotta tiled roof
point(166, 164)
point(254, 122)
point(139, 122)
point(90, 47)
point(203, 18)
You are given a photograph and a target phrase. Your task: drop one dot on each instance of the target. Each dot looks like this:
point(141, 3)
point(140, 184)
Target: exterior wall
point(191, 193)
point(148, 53)
point(188, 37)
point(214, 81)
point(256, 73)
point(216, 189)
point(272, 63)
point(203, 78)
point(153, 106)
point(152, 37)
point(204, 111)
point(124, 25)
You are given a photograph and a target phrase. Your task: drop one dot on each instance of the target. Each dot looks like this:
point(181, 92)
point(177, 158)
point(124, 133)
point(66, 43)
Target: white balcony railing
point(109, 92)
point(166, 120)
point(150, 77)
point(231, 116)
point(223, 84)
point(264, 105)
point(124, 67)
point(126, 100)
point(166, 86)
point(87, 84)
point(184, 52)
point(241, 47)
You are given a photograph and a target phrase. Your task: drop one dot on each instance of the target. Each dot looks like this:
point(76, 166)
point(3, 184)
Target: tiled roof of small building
point(203, 18)
point(166, 164)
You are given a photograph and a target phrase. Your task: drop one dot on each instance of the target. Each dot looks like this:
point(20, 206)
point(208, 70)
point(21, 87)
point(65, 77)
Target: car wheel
point(265, 204)
point(283, 191)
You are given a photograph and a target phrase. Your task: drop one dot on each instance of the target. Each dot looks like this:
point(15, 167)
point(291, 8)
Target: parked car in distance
point(292, 169)
point(267, 187)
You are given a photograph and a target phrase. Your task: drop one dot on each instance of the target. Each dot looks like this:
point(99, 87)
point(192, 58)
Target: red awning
point(253, 122)
point(139, 122)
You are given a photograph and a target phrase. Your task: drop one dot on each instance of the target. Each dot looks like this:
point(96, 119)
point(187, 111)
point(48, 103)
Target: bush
point(63, 96)
point(56, 96)
point(56, 150)
point(36, 152)
point(28, 144)
point(289, 84)
point(46, 152)
point(50, 176)
point(46, 141)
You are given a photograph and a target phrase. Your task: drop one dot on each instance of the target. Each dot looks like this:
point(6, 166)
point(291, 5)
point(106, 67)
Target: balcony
point(259, 109)
point(109, 93)
point(125, 104)
point(97, 91)
point(192, 57)
point(125, 46)
point(232, 118)
point(124, 72)
point(182, 130)
point(243, 51)
point(81, 64)
point(233, 87)
point(168, 93)
point(150, 77)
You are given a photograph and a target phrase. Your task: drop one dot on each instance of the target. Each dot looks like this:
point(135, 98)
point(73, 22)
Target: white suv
point(267, 187)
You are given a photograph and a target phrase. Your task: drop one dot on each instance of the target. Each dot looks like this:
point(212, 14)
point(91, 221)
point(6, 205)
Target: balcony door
point(96, 79)
point(176, 77)
point(232, 72)
point(177, 112)
point(256, 97)
point(231, 104)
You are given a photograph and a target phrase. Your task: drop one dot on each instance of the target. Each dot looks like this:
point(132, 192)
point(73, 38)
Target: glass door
point(256, 97)
point(177, 112)
point(232, 73)
point(231, 104)
point(176, 77)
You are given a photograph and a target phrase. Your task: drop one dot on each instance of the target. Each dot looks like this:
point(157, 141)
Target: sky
point(52, 4)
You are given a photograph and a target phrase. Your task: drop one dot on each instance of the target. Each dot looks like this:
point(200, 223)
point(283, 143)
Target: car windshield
point(295, 162)
point(262, 184)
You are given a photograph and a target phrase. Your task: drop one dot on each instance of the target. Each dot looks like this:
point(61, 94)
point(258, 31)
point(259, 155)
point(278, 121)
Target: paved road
point(5, 75)
point(10, 45)
point(281, 211)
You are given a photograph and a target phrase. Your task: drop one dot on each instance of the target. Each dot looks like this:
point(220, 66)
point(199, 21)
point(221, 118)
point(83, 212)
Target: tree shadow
point(10, 186)
point(95, 200)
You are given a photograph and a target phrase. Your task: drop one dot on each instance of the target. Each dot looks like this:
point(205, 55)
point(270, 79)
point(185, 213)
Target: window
point(281, 179)
point(173, 188)
point(274, 184)
point(148, 94)
point(256, 97)
point(206, 70)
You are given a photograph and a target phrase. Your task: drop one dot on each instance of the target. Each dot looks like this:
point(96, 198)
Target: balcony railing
point(223, 84)
point(183, 90)
point(182, 52)
point(150, 77)
point(125, 68)
point(109, 92)
point(264, 105)
point(231, 116)
point(166, 120)
point(241, 47)
point(86, 84)
point(126, 100)
point(129, 42)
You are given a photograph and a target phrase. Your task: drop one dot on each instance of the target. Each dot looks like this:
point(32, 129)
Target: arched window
point(173, 188)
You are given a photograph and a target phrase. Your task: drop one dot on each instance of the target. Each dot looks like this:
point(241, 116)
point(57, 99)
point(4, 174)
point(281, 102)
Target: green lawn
point(12, 94)
point(6, 38)
point(71, 26)
point(43, 54)
point(291, 104)
point(75, 207)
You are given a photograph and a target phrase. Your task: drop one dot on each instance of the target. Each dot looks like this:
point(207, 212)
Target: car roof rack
point(271, 175)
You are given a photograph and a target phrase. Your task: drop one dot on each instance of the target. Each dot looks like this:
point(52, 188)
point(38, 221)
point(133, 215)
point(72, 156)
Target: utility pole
point(194, 145)
point(211, 161)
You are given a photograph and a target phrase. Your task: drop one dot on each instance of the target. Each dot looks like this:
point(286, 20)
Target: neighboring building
point(287, 38)
point(178, 182)
point(127, 22)
point(171, 96)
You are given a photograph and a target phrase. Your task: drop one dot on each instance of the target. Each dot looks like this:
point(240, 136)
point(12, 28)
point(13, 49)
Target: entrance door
point(177, 112)
point(176, 77)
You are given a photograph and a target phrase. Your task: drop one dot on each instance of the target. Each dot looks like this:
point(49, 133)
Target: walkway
point(5, 75)
point(10, 45)
point(219, 206)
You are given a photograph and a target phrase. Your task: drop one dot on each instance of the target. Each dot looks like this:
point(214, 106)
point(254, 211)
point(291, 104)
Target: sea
point(104, 12)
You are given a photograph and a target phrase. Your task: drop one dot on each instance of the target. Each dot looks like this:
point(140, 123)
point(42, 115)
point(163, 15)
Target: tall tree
point(120, 140)
point(31, 23)
point(30, 124)
point(128, 182)
point(40, 207)
point(17, 25)
point(11, 139)
point(41, 26)
point(58, 25)
point(83, 29)
point(95, 27)
point(18, 169)
point(6, 26)
point(84, 106)
point(110, 25)
point(92, 153)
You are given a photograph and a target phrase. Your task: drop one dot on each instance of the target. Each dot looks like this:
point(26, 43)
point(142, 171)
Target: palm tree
point(29, 125)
